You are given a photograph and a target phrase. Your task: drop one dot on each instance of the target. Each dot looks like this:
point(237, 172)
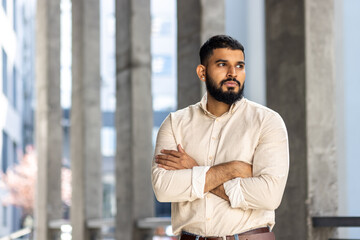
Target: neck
point(215, 107)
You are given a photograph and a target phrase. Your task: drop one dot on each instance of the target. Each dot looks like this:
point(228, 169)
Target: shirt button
point(213, 138)
point(210, 157)
point(208, 196)
point(208, 219)
point(217, 120)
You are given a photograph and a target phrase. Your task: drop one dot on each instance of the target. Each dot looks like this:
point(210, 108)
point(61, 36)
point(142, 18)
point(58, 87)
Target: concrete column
point(301, 87)
point(197, 21)
point(134, 196)
point(85, 117)
point(48, 117)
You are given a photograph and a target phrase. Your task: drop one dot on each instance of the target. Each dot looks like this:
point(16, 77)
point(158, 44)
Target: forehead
point(227, 54)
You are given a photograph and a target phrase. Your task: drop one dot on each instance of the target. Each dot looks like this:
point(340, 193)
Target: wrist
point(240, 169)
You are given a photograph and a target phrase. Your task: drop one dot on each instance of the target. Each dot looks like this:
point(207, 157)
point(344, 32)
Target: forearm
point(224, 172)
point(220, 192)
point(172, 186)
point(262, 192)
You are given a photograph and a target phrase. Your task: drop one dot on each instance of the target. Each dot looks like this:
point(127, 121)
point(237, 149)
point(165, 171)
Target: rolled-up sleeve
point(175, 185)
point(270, 170)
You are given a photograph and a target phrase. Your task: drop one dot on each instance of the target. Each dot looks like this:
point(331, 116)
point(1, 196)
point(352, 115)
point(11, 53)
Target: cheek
point(219, 74)
point(242, 76)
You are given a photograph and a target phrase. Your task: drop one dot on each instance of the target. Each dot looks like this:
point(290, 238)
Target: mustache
point(228, 80)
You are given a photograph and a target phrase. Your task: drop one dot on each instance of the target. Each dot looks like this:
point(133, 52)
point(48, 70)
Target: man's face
point(225, 75)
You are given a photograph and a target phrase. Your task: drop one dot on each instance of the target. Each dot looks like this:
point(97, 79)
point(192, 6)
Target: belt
point(255, 234)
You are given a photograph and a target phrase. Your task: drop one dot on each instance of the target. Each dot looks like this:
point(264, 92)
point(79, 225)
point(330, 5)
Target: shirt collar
point(232, 109)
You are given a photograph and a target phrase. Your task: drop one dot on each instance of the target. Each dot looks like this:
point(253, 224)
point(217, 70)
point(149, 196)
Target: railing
point(145, 226)
point(336, 222)
point(152, 223)
point(18, 234)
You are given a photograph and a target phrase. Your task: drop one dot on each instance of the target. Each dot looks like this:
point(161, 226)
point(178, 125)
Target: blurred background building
point(243, 19)
point(17, 69)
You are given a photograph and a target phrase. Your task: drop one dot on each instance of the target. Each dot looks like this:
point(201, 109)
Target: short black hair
point(218, 41)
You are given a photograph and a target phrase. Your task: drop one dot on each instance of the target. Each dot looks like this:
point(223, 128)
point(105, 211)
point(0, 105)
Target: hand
point(220, 192)
point(175, 160)
point(241, 169)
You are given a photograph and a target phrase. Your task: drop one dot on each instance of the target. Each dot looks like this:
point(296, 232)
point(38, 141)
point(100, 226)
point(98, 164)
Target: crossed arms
point(215, 176)
point(260, 186)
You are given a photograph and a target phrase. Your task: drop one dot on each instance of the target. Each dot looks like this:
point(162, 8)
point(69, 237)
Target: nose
point(231, 72)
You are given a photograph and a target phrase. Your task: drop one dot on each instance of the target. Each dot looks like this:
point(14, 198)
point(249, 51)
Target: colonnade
point(300, 86)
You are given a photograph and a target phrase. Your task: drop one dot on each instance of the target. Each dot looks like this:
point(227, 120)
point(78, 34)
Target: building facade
point(17, 92)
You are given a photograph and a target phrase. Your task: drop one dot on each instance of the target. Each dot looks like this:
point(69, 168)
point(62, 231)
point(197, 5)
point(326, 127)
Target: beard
point(229, 96)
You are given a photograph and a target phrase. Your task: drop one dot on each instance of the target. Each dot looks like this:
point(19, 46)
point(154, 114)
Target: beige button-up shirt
point(248, 132)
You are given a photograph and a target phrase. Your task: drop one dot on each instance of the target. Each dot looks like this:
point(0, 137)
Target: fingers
point(165, 163)
point(165, 158)
point(171, 159)
point(171, 152)
point(168, 160)
point(244, 169)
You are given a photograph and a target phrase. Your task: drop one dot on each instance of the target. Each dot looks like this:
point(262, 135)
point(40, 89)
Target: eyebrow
point(223, 60)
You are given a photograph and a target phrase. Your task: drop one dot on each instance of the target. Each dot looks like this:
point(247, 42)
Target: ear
point(200, 70)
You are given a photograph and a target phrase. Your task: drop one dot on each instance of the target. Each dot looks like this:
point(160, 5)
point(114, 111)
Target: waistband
point(255, 234)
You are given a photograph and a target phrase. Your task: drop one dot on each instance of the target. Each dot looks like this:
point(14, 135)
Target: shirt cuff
point(234, 192)
point(198, 180)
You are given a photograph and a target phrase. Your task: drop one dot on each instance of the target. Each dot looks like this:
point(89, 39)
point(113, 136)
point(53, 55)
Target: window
point(110, 26)
point(4, 216)
point(4, 159)
point(162, 65)
point(14, 14)
point(4, 72)
point(108, 141)
point(160, 27)
point(14, 87)
point(4, 4)
point(15, 160)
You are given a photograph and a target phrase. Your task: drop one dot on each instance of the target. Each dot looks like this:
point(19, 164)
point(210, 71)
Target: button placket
point(208, 213)
point(213, 141)
point(210, 161)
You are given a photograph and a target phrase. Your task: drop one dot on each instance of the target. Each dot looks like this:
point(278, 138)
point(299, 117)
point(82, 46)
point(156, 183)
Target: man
point(223, 162)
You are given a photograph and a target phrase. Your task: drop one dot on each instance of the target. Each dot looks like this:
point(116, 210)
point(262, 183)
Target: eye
point(221, 64)
point(241, 66)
